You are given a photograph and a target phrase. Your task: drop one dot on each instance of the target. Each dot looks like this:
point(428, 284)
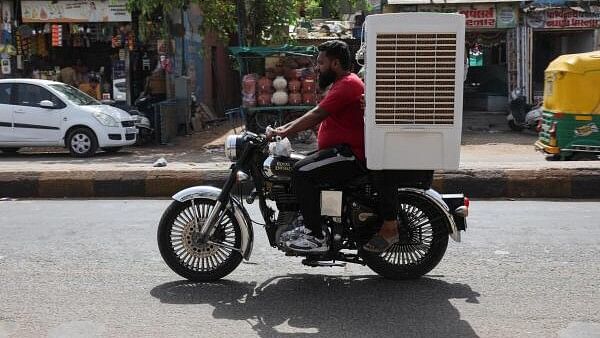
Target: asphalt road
point(71, 268)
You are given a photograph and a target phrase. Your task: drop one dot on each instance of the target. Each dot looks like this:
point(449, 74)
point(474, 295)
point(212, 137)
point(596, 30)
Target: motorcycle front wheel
point(186, 254)
point(418, 251)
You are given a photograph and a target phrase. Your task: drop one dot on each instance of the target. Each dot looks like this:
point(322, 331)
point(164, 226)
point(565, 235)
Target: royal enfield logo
point(586, 130)
point(283, 166)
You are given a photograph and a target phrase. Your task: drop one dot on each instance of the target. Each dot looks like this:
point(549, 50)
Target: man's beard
point(326, 78)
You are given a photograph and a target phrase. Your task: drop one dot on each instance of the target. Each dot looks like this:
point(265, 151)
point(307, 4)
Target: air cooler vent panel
point(415, 78)
point(414, 87)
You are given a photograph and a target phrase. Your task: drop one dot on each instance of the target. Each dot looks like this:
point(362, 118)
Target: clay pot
point(308, 86)
point(295, 99)
point(309, 98)
point(249, 102)
point(280, 98)
point(294, 86)
point(264, 85)
point(264, 99)
point(291, 74)
point(279, 83)
point(249, 84)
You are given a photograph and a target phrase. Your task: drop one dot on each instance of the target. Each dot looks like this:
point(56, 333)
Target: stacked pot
point(290, 82)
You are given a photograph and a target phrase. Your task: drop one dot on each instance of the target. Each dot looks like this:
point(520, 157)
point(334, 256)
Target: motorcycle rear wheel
point(185, 254)
point(423, 248)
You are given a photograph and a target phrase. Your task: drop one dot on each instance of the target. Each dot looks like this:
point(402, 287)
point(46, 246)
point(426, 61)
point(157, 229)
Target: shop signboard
point(506, 16)
point(75, 11)
point(561, 18)
point(478, 16)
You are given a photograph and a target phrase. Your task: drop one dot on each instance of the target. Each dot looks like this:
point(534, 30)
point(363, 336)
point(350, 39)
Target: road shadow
point(305, 305)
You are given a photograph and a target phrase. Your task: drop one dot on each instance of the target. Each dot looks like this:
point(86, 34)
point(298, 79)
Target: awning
point(267, 51)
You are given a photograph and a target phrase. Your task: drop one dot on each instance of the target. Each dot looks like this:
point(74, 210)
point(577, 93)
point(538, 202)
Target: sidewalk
point(495, 162)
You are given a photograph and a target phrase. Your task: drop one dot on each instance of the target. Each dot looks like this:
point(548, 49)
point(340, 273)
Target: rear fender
point(240, 213)
point(436, 199)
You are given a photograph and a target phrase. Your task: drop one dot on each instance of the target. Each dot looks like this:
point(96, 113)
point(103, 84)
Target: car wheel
point(10, 150)
point(112, 149)
point(82, 142)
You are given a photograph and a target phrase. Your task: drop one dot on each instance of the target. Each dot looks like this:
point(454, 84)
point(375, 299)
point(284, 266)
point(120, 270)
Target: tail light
point(463, 210)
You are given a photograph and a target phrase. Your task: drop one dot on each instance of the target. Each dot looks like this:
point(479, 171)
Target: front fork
point(218, 211)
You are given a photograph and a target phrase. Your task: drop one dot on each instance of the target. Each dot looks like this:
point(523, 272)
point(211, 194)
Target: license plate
point(131, 130)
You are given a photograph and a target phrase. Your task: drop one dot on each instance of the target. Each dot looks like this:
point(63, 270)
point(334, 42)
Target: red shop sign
point(479, 16)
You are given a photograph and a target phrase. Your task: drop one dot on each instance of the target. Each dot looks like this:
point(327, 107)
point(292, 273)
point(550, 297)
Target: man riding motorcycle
point(340, 156)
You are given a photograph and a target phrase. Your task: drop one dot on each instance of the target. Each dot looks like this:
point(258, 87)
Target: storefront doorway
point(486, 78)
point(548, 45)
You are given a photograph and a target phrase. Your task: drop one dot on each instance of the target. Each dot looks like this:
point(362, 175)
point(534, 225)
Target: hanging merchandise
point(145, 62)
point(485, 40)
point(165, 63)
point(131, 41)
point(5, 66)
point(57, 36)
point(475, 56)
point(116, 41)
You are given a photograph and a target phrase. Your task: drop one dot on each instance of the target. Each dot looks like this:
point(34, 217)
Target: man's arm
point(306, 121)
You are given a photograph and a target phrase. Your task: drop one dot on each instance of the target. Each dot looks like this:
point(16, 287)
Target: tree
point(264, 22)
point(219, 15)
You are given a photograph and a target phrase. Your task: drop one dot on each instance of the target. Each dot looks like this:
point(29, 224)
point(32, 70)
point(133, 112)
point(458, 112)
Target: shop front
point(490, 50)
point(8, 50)
point(82, 43)
point(554, 32)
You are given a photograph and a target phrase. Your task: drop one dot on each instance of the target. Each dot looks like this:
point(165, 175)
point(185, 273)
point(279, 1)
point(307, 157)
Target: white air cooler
point(414, 90)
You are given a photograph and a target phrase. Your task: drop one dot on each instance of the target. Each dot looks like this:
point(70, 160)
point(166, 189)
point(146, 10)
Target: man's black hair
point(336, 49)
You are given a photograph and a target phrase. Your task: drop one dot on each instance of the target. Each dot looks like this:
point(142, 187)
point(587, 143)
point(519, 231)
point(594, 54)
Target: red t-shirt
point(345, 123)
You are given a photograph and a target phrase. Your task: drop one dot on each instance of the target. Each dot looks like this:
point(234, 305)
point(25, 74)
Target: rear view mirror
point(47, 104)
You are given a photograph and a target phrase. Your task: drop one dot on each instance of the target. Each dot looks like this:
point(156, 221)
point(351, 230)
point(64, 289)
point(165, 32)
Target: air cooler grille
point(415, 77)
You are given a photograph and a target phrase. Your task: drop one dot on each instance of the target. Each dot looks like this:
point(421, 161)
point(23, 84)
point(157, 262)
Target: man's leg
point(329, 167)
point(388, 200)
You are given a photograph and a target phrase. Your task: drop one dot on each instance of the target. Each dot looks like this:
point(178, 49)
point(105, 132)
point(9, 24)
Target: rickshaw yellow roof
point(576, 63)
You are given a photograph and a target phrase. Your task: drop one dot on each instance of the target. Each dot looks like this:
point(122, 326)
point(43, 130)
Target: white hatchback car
point(44, 113)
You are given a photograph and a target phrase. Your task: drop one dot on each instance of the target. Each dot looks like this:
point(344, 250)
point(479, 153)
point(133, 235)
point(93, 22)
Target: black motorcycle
point(206, 232)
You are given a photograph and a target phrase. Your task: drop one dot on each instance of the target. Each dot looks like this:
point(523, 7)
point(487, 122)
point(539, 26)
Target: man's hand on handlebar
point(271, 133)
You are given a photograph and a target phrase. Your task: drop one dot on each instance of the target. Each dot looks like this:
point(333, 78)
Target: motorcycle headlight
point(233, 146)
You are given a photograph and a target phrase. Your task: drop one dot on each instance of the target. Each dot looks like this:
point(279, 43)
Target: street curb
point(544, 183)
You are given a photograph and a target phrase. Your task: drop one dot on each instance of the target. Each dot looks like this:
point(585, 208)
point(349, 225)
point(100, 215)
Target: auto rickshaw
point(571, 109)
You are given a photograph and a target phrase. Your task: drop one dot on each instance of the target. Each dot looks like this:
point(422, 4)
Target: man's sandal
point(378, 244)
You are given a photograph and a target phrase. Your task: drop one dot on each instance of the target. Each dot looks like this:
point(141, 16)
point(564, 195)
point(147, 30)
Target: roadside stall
point(278, 83)
point(85, 44)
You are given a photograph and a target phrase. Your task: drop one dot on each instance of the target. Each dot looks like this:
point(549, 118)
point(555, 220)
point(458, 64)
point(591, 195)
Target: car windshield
point(74, 95)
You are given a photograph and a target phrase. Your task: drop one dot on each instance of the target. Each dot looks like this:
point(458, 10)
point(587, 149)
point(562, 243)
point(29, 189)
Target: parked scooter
point(143, 114)
point(523, 115)
point(144, 105)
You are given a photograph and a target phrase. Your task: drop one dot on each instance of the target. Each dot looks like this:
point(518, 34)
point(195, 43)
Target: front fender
point(241, 215)
point(435, 197)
